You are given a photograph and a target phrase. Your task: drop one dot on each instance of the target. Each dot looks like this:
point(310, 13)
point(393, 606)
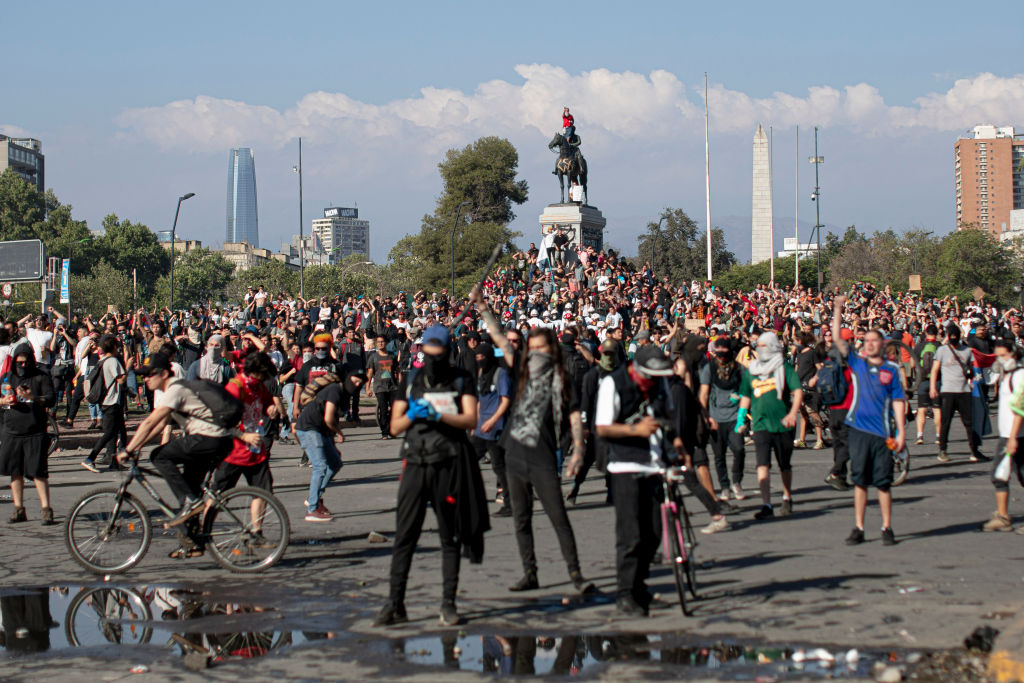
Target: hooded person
point(771, 394)
point(494, 391)
point(213, 365)
point(26, 393)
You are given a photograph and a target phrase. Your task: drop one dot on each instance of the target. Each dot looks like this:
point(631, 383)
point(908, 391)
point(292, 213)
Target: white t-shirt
point(576, 193)
point(1005, 394)
point(188, 411)
point(40, 341)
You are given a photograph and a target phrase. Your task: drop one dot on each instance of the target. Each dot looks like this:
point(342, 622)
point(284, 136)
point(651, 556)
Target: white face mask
point(1008, 363)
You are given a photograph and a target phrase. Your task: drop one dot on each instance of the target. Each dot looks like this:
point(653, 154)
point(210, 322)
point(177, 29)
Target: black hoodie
point(22, 419)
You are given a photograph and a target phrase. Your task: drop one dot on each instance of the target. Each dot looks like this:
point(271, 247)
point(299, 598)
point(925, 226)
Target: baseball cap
point(436, 335)
point(154, 364)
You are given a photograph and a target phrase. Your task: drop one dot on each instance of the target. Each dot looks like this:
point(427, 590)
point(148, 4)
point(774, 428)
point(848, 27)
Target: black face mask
point(435, 367)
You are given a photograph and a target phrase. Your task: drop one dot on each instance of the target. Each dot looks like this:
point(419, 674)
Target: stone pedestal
point(586, 222)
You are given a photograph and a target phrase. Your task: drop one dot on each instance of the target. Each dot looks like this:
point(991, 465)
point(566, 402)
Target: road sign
point(65, 271)
point(22, 261)
point(8, 290)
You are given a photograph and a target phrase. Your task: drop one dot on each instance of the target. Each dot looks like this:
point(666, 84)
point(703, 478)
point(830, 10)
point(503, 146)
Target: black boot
point(527, 583)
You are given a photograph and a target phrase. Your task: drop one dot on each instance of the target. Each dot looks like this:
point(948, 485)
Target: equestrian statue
point(570, 162)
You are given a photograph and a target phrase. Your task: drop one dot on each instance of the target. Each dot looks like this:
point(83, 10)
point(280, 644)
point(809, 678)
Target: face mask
point(1008, 364)
point(645, 384)
point(539, 362)
point(307, 356)
point(215, 352)
point(435, 366)
point(19, 370)
point(607, 362)
point(322, 355)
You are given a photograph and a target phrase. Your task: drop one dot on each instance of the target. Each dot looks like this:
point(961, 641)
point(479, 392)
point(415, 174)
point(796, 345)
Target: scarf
point(211, 369)
point(543, 387)
point(769, 361)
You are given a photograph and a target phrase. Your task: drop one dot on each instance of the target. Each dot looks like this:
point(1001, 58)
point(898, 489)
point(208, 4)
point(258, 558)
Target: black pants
point(637, 532)
point(840, 442)
point(420, 485)
point(61, 385)
point(722, 438)
point(113, 429)
point(532, 470)
point(497, 454)
point(384, 399)
point(77, 396)
point(351, 406)
point(196, 455)
point(962, 403)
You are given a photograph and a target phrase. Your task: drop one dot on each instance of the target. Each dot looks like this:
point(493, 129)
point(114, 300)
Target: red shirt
point(254, 396)
point(567, 120)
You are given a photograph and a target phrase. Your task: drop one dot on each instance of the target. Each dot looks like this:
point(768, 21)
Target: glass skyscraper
point(242, 221)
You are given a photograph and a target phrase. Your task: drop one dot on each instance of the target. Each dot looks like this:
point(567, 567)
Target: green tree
point(972, 258)
point(483, 174)
point(274, 275)
point(127, 246)
point(200, 276)
point(22, 208)
point(679, 249)
point(105, 285)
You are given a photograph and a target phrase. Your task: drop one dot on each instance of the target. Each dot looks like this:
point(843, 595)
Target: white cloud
point(13, 131)
point(609, 106)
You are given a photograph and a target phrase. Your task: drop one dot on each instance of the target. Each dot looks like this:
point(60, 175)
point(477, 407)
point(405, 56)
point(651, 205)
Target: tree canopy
point(679, 248)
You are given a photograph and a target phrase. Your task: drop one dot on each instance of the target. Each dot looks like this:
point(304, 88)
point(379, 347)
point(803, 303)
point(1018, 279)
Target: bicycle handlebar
point(672, 473)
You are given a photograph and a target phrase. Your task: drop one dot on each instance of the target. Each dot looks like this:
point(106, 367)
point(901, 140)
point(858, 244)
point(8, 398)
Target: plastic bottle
point(261, 431)
point(5, 388)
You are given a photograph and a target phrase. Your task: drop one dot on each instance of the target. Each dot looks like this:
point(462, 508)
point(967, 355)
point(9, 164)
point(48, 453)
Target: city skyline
point(378, 134)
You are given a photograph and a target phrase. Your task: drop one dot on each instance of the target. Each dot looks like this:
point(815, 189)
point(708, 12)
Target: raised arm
point(837, 323)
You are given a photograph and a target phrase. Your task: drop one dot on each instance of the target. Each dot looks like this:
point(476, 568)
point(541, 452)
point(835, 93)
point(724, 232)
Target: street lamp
point(302, 262)
point(454, 225)
point(816, 198)
point(174, 229)
point(70, 247)
point(351, 265)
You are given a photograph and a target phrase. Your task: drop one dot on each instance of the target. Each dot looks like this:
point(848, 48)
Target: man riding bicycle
point(203, 446)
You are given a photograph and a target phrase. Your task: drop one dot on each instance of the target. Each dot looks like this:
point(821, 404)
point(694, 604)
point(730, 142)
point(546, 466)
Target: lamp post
point(302, 262)
point(351, 265)
point(70, 248)
point(816, 198)
point(454, 225)
point(174, 230)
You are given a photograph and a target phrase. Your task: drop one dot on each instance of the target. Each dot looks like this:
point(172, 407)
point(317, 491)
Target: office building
point(242, 217)
point(761, 206)
point(25, 157)
point(989, 178)
point(341, 233)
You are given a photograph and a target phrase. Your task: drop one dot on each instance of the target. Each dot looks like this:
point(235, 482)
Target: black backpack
point(225, 408)
point(832, 384)
point(97, 387)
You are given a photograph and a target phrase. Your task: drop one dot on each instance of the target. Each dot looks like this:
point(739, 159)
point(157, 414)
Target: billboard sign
point(22, 261)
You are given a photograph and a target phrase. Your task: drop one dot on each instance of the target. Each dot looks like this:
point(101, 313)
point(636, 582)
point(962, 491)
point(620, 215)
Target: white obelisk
point(761, 207)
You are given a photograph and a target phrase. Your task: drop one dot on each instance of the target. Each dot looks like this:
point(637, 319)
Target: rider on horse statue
point(570, 139)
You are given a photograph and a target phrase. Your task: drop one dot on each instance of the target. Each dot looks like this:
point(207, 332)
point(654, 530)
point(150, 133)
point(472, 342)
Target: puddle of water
point(57, 619)
point(582, 655)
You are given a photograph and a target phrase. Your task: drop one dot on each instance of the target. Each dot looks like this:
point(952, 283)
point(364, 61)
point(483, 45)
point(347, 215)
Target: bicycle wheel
point(247, 530)
point(54, 435)
point(105, 541)
point(99, 616)
point(690, 539)
point(678, 558)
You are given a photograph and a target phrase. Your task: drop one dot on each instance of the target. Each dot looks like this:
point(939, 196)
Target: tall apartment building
point(25, 157)
point(341, 233)
point(989, 178)
point(242, 215)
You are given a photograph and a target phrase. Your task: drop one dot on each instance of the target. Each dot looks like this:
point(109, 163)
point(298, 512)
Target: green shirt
point(766, 410)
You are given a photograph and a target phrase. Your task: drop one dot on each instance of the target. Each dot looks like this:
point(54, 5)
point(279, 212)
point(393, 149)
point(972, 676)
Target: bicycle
point(54, 434)
point(678, 539)
point(108, 530)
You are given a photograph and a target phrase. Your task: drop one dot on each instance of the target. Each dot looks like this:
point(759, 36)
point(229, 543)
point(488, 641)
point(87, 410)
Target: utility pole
point(816, 198)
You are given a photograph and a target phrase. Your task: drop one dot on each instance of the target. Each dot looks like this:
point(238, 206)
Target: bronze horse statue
point(570, 163)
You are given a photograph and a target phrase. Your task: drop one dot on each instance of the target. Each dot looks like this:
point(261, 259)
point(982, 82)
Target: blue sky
point(137, 103)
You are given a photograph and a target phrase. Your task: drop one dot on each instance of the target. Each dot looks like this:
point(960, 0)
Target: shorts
point(924, 400)
point(870, 460)
point(258, 475)
point(24, 456)
point(1017, 465)
point(700, 456)
point(779, 442)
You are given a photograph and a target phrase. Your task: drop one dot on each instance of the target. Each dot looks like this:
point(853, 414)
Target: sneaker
point(980, 458)
point(716, 525)
point(47, 517)
point(888, 537)
point(998, 523)
point(856, 537)
point(318, 516)
point(91, 466)
point(190, 509)
point(766, 512)
point(787, 508)
point(737, 492)
point(943, 457)
point(920, 439)
point(800, 443)
point(724, 495)
point(18, 516)
point(450, 615)
point(391, 615)
point(818, 445)
point(838, 483)
point(629, 607)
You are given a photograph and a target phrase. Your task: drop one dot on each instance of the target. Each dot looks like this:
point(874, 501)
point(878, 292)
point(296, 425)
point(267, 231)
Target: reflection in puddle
point(110, 615)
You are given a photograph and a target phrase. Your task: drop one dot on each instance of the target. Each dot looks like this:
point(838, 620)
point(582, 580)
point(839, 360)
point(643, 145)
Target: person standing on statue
point(567, 119)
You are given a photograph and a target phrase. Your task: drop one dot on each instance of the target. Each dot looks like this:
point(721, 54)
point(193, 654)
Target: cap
point(436, 335)
point(642, 335)
point(154, 364)
point(652, 362)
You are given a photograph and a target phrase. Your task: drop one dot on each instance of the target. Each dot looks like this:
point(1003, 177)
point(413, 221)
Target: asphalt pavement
point(790, 582)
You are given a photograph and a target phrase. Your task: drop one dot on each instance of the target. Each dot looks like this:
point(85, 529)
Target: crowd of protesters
point(563, 359)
